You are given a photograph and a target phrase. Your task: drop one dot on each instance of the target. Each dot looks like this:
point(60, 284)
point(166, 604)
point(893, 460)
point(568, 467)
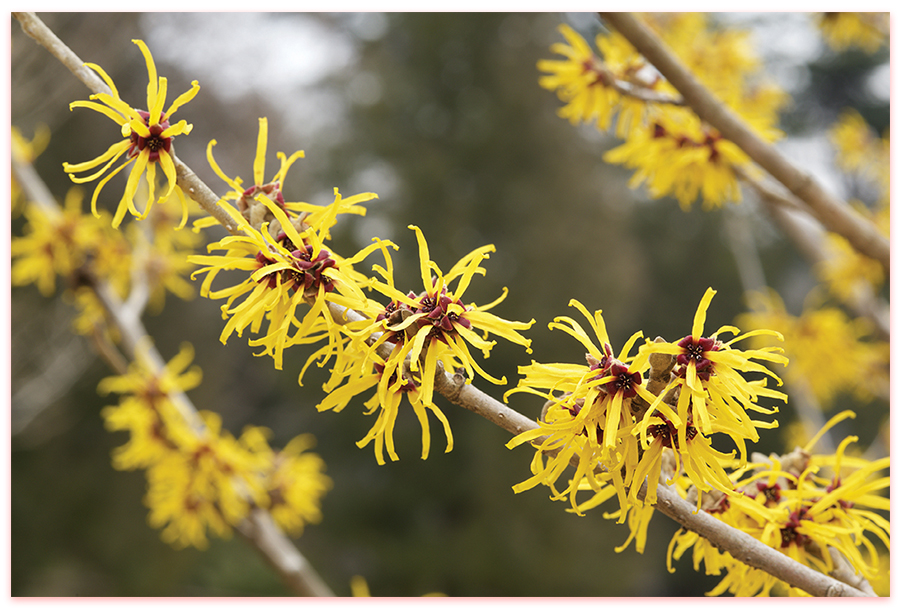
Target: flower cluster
point(817, 509)
point(830, 353)
point(671, 150)
point(148, 136)
point(410, 340)
point(843, 31)
point(622, 433)
point(200, 477)
point(25, 151)
point(861, 152)
point(396, 348)
point(81, 249)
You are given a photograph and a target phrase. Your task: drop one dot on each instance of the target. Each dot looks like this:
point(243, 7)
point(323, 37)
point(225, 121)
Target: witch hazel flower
point(148, 136)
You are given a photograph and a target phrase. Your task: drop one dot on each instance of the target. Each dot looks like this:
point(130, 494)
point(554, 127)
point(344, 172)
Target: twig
point(833, 213)
point(260, 530)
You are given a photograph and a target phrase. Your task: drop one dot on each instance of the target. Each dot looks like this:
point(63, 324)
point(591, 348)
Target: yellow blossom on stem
point(25, 151)
point(423, 334)
point(859, 149)
point(582, 80)
point(708, 374)
point(675, 154)
point(589, 416)
point(789, 504)
point(146, 410)
point(147, 134)
point(436, 319)
point(285, 271)
point(293, 478)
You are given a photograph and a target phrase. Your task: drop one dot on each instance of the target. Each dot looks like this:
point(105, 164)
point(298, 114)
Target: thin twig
point(836, 215)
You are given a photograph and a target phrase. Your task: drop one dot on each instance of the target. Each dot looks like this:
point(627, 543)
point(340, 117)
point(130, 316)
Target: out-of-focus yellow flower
point(293, 478)
point(829, 352)
point(860, 150)
point(672, 151)
point(842, 31)
point(676, 155)
point(148, 140)
point(25, 151)
point(582, 80)
point(55, 243)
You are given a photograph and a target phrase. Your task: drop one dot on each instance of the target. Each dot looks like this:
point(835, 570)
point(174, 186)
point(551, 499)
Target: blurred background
point(441, 115)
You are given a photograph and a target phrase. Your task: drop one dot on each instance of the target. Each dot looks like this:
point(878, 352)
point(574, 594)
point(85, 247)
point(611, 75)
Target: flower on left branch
point(147, 142)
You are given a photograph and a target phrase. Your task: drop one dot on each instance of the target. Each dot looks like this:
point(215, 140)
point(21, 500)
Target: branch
point(834, 214)
point(810, 240)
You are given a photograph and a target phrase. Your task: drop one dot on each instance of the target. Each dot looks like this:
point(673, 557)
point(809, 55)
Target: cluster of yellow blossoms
point(395, 348)
point(867, 31)
point(671, 150)
point(199, 476)
point(622, 433)
point(860, 152)
point(815, 508)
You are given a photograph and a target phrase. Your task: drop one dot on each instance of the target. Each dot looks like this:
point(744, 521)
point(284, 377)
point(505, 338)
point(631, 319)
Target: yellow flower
point(676, 155)
point(285, 271)
point(436, 319)
point(146, 409)
point(582, 80)
point(787, 504)
point(591, 420)
point(148, 140)
point(425, 332)
point(361, 368)
point(672, 151)
point(25, 151)
point(293, 478)
point(843, 31)
point(712, 389)
point(54, 244)
point(829, 352)
point(859, 149)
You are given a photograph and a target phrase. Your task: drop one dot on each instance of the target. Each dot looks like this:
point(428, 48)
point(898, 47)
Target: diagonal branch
point(836, 215)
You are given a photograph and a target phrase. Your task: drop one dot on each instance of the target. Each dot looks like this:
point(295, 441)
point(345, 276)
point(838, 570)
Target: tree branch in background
point(834, 214)
point(809, 238)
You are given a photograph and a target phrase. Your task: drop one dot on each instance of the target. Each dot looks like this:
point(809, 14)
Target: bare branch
point(836, 215)
point(809, 238)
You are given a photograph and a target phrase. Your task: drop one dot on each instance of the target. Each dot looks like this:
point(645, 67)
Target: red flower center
point(155, 143)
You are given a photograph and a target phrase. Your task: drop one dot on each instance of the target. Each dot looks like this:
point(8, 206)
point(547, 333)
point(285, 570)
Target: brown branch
point(809, 238)
point(836, 215)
